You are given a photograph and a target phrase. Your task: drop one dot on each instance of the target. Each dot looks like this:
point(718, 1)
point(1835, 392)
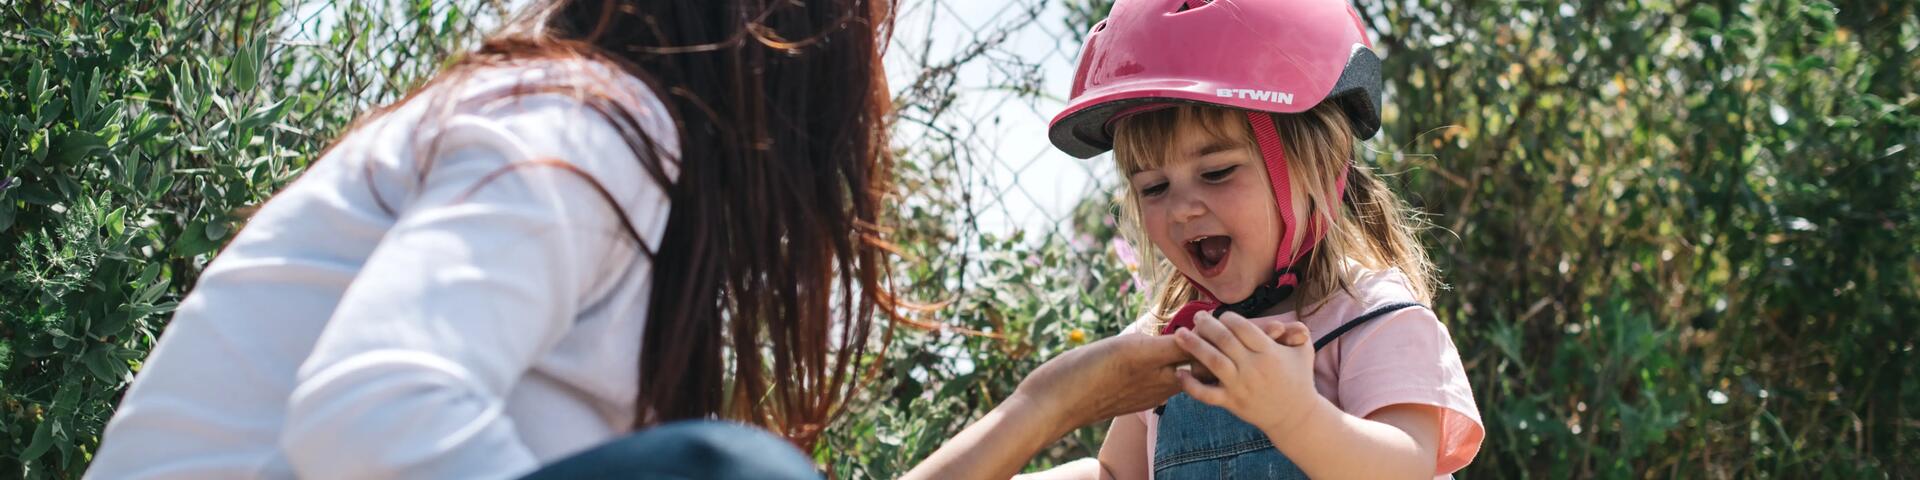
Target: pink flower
point(1130, 258)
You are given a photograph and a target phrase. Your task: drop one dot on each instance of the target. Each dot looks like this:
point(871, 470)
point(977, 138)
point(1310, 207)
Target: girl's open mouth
point(1210, 253)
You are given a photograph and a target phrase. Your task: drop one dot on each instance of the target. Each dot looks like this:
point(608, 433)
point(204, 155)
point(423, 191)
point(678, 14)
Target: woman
point(549, 245)
point(614, 216)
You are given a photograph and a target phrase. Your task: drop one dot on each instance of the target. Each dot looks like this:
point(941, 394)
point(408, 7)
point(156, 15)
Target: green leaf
point(1740, 33)
point(79, 146)
point(246, 67)
point(104, 365)
point(221, 102)
point(37, 194)
point(42, 441)
point(265, 114)
point(65, 400)
point(42, 34)
point(83, 101)
point(50, 110)
point(1706, 16)
point(217, 230)
point(183, 91)
point(1812, 62)
point(146, 127)
point(115, 221)
point(1822, 14)
point(151, 283)
point(36, 86)
point(7, 213)
point(193, 241)
point(160, 184)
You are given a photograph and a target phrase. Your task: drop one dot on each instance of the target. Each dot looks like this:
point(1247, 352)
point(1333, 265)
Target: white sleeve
point(479, 277)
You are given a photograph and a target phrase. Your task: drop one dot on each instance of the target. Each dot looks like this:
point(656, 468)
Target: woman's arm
point(997, 445)
point(1122, 456)
point(1101, 380)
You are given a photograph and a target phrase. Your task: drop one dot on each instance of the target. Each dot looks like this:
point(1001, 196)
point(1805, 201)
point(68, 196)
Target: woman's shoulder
point(555, 100)
point(472, 121)
point(535, 106)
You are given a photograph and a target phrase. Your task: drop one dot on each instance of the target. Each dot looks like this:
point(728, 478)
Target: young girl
point(1234, 122)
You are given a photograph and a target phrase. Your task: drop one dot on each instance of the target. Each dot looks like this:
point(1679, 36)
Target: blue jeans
point(687, 450)
point(1197, 440)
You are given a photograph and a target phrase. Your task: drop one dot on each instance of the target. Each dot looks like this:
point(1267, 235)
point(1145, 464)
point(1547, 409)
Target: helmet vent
point(1186, 5)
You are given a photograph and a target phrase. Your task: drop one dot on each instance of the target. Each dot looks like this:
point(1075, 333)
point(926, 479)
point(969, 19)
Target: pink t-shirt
point(1404, 357)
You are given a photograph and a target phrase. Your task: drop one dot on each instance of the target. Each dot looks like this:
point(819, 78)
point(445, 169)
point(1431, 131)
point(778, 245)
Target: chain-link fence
point(976, 83)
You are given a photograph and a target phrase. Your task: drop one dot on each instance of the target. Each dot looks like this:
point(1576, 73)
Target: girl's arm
point(1271, 386)
point(1123, 456)
point(1086, 468)
point(1393, 442)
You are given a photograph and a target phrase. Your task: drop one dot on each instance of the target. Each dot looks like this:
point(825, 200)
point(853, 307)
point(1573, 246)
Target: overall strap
point(1364, 318)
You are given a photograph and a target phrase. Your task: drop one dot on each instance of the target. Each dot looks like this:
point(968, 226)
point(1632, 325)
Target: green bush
point(1681, 236)
point(134, 138)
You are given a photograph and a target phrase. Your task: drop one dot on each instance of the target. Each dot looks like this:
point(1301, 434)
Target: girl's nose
point(1187, 206)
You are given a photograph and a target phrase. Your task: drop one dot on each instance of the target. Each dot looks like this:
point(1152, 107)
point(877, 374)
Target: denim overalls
point(1197, 440)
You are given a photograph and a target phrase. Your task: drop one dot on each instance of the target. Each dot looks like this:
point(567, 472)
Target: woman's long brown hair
point(773, 265)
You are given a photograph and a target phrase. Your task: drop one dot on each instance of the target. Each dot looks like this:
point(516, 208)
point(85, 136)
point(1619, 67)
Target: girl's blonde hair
point(1373, 227)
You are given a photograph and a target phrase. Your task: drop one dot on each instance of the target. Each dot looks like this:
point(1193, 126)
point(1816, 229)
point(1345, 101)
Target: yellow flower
point(1077, 336)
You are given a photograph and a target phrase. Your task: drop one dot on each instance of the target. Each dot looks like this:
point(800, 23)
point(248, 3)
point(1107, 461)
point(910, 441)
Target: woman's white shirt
point(439, 296)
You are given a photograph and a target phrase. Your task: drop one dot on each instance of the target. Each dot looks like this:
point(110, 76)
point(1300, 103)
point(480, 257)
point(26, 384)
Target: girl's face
point(1210, 210)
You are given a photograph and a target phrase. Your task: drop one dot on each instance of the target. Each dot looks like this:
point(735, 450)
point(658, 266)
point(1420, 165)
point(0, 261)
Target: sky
point(1041, 183)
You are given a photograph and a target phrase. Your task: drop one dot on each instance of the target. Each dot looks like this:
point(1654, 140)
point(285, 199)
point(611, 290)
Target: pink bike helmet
point(1261, 56)
point(1276, 56)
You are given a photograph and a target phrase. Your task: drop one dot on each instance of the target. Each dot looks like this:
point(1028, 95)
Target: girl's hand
point(1265, 383)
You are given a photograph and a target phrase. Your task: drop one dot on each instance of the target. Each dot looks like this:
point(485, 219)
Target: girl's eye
point(1221, 174)
point(1154, 190)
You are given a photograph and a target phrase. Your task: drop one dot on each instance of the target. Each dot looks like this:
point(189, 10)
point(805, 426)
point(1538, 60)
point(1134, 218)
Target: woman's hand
point(1105, 379)
point(1265, 383)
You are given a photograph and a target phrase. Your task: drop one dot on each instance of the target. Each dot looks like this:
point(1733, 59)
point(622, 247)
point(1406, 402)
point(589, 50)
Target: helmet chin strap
point(1286, 277)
